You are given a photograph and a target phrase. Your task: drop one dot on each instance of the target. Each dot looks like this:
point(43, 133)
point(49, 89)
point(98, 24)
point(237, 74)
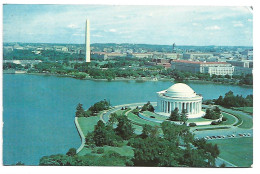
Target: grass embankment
point(87, 124)
point(243, 120)
point(230, 119)
point(238, 151)
point(139, 121)
point(248, 110)
point(156, 116)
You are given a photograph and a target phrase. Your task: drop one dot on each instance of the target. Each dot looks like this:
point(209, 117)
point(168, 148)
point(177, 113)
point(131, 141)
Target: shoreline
point(82, 137)
point(130, 79)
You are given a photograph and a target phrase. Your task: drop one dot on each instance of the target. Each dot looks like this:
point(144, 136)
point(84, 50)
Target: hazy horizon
point(155, 25)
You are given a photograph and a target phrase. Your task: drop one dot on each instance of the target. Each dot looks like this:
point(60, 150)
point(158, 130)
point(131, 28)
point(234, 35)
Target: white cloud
point(237, 24)
point(195, 24)
point(96, 35)
point(250, 20)
point(112, 30)
point(72, 26)
point(78, 34)
point(215, 27)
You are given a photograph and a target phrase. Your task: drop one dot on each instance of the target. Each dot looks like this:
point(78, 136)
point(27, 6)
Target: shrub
point(224, 118)
point(71, 152)
point(214, 123)
point(192, 124)
point(100, 151)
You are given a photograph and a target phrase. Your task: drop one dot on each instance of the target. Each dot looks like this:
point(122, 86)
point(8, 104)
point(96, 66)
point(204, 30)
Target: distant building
point(194, 56)
point(242, 66)
point(141, 55)
point(217, 68)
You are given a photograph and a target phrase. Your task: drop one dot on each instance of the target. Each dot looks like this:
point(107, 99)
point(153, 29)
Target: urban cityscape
point(129, 103)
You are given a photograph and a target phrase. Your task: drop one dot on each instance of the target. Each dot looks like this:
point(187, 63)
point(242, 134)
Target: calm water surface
point(39, 110)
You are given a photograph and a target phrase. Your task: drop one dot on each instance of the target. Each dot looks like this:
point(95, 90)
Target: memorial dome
point(180, 90)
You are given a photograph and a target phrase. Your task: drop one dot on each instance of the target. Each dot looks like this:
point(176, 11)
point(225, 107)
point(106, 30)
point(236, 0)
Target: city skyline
point(160, 25)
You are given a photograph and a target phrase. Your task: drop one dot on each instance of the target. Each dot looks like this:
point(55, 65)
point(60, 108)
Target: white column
point(192, 107)
point(166, 108)
point(161, 105)
point(188, 107)
point(197, 108)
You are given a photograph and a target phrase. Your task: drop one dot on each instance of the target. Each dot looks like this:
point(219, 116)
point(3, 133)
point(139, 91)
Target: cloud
point(195, 24)
point(72, 26)
point(237, 24)
point(112, 30)
point(96, 35)
point(215, 27)
point(250, 20)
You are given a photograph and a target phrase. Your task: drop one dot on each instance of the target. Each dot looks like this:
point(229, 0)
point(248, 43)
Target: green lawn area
point(230, 119)
point(119, 112)
point(192, 120)
point(137, 120)
point(87, 123)
point(124, 150)
point(247, 122)
point(245, 109)
point(238, 151)
point(157, 117)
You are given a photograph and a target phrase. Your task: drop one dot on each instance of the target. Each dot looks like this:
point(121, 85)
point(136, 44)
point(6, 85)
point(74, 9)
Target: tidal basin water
point(39, 110)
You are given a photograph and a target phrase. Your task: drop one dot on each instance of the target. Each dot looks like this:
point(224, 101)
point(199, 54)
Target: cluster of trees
point(176, 147)
point(230, 100)
point(246, 79)
point(109, 158)
point(12, 66)
point(50, 55)
point(212, 113)
point(176, 116)
point(148, 107)
point(97, 107)
point(105, 134)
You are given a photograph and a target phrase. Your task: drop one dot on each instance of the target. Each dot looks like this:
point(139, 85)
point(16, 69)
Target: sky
point(162, 25)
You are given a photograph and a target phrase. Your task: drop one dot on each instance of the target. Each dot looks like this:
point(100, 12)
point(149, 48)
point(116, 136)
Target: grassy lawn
point(192, 120)
point(230, 119)
point(87, 123)
point(238, 151)
point(136, 120)
point(157, 117)
point(247, 123)
point(245, 109)
point(123, 151)
point(119, 112)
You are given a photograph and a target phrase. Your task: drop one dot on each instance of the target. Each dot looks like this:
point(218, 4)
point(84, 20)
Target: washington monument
point(87, 41)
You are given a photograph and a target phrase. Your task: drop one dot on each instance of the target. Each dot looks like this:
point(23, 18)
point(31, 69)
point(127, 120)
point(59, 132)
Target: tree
point(71, 152)
point(184, 116)
point(217, 110)
point(80, 111)
point(124, 128)
point(175, 116)
point(99, 134)
point(146, 131)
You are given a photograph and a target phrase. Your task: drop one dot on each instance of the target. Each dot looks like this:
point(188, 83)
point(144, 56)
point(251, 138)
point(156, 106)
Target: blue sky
point(184, 25)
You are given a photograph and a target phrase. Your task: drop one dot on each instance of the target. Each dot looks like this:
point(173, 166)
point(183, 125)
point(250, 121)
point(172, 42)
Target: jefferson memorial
point(179, 96)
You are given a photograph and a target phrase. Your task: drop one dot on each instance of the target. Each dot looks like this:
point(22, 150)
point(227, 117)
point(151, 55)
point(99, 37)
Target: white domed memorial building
point(179, 96)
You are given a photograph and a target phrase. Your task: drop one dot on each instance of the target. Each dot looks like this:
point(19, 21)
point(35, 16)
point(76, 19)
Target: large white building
point(179, 96)
point(217, 68)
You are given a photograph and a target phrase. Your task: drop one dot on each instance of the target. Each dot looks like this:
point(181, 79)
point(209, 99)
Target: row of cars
point(228, 136)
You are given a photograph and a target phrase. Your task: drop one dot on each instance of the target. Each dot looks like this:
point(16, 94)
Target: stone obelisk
point(87, 41)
